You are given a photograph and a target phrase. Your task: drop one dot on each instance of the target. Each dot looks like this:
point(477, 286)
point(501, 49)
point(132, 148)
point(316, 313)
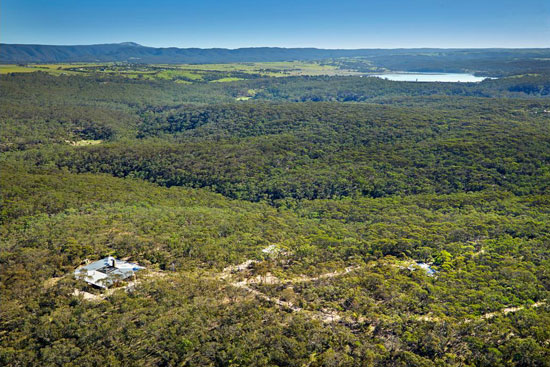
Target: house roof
point(103, 274)
point(426, 267)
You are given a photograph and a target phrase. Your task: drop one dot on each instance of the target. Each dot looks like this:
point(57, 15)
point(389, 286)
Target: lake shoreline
point(434, 77)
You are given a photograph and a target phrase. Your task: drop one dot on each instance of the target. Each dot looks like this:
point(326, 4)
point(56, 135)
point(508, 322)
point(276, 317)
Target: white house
point(105, 272)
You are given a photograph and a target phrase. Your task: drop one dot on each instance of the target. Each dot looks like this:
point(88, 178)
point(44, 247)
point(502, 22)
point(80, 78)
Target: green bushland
point(316, 151)
point(335, 172)
point(490, 251)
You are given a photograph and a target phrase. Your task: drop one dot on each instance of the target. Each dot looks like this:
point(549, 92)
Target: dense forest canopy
point(284, 220)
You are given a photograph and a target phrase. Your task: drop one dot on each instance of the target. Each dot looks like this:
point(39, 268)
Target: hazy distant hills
point(130, 51)
point(476, 60)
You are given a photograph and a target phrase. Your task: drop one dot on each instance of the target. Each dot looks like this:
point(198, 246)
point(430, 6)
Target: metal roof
point(103, 273)
point(426, 267)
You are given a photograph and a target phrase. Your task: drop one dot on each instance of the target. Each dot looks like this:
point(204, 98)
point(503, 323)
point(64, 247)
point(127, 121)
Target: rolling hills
point(420, 59)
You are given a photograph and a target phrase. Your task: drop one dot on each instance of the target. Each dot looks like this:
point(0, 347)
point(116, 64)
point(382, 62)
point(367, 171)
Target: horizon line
point(136, 44)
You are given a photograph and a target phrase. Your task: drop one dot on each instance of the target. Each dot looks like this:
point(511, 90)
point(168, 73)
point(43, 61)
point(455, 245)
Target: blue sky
point(244, 23)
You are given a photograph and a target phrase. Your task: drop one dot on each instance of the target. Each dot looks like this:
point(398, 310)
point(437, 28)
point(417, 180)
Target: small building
point(426, 267)
point(105, 272)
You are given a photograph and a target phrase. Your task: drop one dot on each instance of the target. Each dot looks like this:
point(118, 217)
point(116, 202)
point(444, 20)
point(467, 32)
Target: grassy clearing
point(6, 69)
point(54, 69)
point(249, 94)
point(172, 74)
point(83, 143)
point(185, 72)
point(283, 68)
point(225, 80)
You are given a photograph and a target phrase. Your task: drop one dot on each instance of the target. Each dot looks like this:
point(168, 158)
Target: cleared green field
point(6, 69)
point(185, 73)
point(284, 68)
point(226, 80)
point(172, 74)
point(54, 69)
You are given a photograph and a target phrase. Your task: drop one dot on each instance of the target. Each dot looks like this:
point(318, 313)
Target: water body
point(432, 77)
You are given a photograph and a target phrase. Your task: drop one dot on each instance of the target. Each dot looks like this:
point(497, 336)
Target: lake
point(431, 77)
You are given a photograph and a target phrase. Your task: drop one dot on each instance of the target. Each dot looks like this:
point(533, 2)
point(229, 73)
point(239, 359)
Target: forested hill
point(129, 51)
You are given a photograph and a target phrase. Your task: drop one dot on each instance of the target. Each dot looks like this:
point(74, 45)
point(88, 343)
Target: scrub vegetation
point(281, 217)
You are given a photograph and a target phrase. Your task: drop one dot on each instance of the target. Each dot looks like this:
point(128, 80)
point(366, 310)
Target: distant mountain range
point(133, 52)
point(483, 61)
